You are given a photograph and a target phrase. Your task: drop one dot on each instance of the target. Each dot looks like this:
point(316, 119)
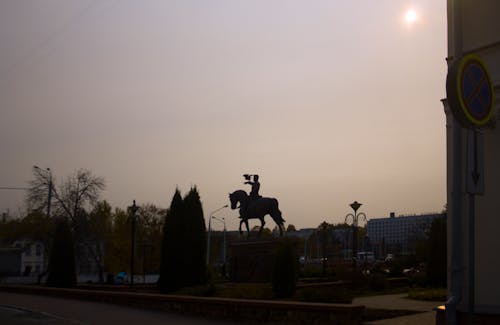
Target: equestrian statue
point(254, 206)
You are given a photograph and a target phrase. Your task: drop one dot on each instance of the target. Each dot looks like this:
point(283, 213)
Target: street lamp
point(133, 209)
point(210, 230)
point(355, 217)
point(224, 236)
point(48, 172)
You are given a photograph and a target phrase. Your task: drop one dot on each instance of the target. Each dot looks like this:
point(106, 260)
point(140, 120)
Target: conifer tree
point(195, 269)
point(172, 246)
point(62, 270)
point(184, 243)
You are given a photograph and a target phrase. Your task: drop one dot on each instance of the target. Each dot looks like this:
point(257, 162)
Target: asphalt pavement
point(23, 309)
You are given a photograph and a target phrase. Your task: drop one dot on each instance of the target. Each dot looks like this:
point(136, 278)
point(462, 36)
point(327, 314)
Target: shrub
point(377, 282)
point(311, 271)
point(396, 269)
point(418, 279)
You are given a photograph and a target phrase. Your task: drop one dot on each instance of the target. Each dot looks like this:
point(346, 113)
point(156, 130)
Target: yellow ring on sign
point(466, 59)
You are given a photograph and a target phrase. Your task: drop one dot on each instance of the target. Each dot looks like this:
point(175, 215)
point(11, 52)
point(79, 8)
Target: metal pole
point(49, 173)
point(305, 249)
point(50, 193)
point(471, 258)
point(132, 234)
point(224, 242)
point(208, 240)
point(209, 230)
point(317, 245)
point(224, 238)
point(355, 240)
point(355, 206)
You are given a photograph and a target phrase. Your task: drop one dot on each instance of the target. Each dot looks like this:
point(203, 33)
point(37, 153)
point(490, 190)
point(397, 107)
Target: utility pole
point(133, 210)
point(49, 176)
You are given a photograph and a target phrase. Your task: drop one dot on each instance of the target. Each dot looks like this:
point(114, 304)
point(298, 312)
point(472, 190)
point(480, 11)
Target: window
point(28, 250)
point(38, 250)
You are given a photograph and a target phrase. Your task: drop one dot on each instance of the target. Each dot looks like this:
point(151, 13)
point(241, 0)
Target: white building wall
point(33, 256)
point(474, 27)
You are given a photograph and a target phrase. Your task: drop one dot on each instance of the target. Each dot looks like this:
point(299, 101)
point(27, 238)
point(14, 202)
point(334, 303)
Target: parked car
point(121, 278)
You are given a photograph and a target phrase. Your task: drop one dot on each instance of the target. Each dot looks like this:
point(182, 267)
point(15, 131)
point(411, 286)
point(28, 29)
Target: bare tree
point(80, 190)
point(72, 199)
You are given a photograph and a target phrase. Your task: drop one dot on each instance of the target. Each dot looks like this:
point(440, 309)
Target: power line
point(50, 41)
point(14, 188)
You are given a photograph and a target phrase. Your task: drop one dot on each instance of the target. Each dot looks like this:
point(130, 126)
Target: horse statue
point(256, 209)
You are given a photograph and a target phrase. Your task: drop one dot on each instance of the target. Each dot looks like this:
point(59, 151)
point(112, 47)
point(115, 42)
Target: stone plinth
point(252, 260)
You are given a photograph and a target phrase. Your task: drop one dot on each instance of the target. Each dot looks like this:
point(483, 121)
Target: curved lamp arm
point(350, 215)
point(363, 215)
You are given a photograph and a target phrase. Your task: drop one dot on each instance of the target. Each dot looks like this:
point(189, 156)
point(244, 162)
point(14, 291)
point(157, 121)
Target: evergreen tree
point(173, 246)
point(62, 271)
point(184, 244)
point(194, 262)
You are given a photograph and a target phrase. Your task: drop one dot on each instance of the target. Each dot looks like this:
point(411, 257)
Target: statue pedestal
point(252, 260)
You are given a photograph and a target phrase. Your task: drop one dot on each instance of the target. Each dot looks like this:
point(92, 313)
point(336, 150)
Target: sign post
point(469, 91)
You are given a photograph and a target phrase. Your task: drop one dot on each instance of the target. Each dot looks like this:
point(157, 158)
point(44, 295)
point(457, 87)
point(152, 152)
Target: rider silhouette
point(254, 192)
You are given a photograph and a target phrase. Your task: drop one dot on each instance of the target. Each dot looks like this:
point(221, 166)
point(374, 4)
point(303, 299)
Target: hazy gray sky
point(328, 101)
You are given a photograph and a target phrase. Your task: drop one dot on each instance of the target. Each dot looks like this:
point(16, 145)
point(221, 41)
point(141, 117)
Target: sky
point(327, 101)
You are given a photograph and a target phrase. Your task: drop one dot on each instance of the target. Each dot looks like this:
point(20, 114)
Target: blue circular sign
point(470, 91)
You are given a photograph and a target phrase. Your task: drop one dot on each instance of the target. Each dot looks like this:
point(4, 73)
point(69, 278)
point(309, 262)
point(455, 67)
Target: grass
point(428, 294)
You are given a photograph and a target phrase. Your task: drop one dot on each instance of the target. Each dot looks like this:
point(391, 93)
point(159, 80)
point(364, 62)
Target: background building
point(398, 235)
point(33, 257)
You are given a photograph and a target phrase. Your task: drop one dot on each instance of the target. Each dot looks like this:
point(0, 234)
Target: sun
point(411, 16)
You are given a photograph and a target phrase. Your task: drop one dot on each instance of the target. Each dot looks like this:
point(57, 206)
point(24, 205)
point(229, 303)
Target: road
point(23, 309)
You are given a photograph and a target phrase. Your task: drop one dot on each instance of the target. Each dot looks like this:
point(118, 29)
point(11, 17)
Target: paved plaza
point(400, 302)
point(22, 309)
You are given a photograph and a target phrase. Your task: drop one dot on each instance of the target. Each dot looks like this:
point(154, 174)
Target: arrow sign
point(475, 162)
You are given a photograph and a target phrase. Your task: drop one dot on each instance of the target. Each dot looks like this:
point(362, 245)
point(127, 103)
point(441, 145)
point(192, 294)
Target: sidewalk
point(400, 302)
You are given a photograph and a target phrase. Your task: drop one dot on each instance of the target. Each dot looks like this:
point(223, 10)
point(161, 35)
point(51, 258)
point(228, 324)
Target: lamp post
point(133, 209)
point(48, 172)
point(210, 230)
point(224, 236)
point(355, 217)
point(146, 246)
